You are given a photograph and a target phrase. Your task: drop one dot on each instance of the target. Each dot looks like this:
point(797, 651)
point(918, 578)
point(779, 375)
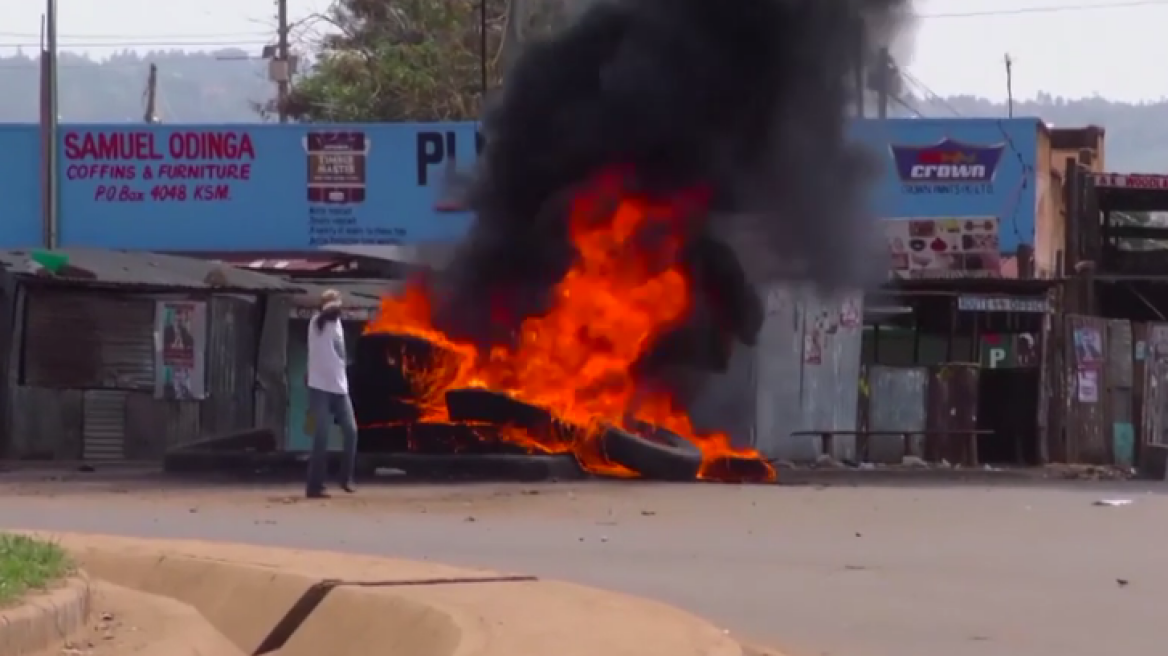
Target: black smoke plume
point(748, 97)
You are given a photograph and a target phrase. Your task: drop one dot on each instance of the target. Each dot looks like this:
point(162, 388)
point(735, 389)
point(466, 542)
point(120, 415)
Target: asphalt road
point(1030, 570)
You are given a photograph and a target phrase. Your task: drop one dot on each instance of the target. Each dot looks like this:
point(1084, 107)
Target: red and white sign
point(1153, 181)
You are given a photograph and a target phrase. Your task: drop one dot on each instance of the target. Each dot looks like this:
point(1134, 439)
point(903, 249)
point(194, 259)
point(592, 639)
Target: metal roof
point(312, 261)
point(94, 267)
point(434, 255)
point(354, 293)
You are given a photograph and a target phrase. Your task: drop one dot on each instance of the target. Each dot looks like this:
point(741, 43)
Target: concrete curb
point(45, 619)
point(248, 594)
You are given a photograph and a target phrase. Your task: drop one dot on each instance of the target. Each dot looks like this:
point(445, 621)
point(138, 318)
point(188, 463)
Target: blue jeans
point(325, 407)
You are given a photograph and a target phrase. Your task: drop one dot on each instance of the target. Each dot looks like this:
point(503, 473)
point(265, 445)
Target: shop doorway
point(1008, 406)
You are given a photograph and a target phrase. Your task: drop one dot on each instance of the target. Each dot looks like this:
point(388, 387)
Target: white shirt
point(326, 357)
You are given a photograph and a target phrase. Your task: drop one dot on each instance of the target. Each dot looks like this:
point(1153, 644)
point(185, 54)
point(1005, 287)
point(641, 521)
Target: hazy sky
point(1067, 47)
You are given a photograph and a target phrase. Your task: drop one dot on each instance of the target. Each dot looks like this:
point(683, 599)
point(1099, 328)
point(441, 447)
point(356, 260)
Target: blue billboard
point(296, 187)
point(259, 187)
point(20, 186)
point(954, 169)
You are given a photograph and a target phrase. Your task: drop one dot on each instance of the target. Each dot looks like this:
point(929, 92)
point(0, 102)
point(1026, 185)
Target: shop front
point(953, 341)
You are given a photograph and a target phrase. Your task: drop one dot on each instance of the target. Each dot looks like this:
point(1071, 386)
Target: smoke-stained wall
point(806, 371)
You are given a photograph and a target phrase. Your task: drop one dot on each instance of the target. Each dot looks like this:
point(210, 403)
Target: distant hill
point(224, 86)
point(218, 87)
point(1137, 134)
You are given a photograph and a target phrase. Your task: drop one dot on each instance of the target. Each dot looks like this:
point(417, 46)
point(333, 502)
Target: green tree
point(413, 60)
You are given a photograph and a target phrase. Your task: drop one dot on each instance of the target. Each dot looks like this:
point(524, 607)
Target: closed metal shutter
point(85, 340)
point(103, 435)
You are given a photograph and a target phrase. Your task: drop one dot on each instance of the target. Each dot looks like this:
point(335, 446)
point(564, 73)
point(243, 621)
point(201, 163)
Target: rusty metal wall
point(46, 424)
point(1154, 406)
point(1046, 392)
point(1119, 379)
point(271, 385)
point(11, 315)
point(103, 431)
point(231, 357)
point(896, 402)
point(1086, 425)
point(807, 372)
point(155, 425)
point(88, 339)
point(951, 413)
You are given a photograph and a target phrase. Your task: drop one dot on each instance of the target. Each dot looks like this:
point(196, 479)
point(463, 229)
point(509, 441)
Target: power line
point(241, 39)
point(31, 65)
point(904, 104)
point(931, 96)
point(230, 39)
point(131, 37)
point(1056, 9)
point(144, 44)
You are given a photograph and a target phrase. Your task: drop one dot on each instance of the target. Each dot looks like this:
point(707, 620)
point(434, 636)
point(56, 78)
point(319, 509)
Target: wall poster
point(1088, 384)
point(180, 341)
point(1088, 346)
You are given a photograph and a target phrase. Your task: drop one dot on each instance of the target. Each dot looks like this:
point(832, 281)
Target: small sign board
point(347, 313)
point(1152, 181)
point(1029, 305)
point(1009, 351)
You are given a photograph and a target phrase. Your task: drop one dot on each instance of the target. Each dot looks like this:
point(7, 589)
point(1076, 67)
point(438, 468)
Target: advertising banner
point(260, 187)
point(957, 167)
point(958, 247)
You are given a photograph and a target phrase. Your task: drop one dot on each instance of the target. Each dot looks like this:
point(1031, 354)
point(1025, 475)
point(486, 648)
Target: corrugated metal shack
point(807, 371)
point(80, 351)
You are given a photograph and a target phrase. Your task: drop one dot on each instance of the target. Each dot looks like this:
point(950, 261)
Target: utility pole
point(513, 37)
point(50, 126)
point(1009, 86)
point(861, 89)
point(151, 95)
point(482, 51)
point(284, 70)
point(883, 81)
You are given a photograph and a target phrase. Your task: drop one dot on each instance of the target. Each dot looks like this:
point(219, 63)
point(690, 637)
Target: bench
point(863, 440)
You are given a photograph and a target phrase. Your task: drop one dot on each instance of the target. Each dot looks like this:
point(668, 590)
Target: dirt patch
point(126, 621)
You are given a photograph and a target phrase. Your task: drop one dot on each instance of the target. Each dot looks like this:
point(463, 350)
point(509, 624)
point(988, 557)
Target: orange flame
point(576, 360)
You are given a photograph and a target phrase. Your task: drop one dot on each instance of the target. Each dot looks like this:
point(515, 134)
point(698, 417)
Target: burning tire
point(389, 365)
point(452, 438)
point(488, 407)
point(383, 439)
point(739, 469)
point(653, 452)
point(371, 408)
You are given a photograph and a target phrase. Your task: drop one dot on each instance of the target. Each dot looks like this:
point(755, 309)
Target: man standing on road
point(328, 395)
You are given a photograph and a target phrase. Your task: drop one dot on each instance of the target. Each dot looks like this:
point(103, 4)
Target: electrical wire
point(254, 34)
point(1052, 9)
point(904, 104)
point(931, 96)
point(229, 39)
point(144, 44)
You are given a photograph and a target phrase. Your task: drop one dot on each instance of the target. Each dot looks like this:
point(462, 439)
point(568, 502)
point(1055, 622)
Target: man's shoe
point(318, 494)
point(349, 487)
